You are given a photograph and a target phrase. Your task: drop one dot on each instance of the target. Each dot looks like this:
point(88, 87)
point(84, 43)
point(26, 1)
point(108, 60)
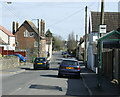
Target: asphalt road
point(42, 82)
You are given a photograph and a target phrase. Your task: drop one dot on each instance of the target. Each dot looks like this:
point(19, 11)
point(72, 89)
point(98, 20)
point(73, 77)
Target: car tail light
point(60, 66)
point(78, 68)
point(45, 62)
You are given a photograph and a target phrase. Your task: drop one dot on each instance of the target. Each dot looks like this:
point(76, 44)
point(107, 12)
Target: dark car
point(41, 63)
point(65, 54)
point(69, 67)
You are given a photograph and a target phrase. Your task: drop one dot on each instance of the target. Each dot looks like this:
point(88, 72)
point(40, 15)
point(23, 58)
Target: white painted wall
point(12, 42)
point(3, 36)
point(49, 47)
point(9, 46)
point(90, 63)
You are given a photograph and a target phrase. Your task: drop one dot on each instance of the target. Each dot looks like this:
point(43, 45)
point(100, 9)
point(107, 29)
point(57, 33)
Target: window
point(26, 33)
point(35, 44)
point(31, 34)
point(68, 62)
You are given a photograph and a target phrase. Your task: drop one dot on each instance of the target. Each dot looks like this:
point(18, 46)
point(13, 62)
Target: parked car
point(65, 54)
point(21, 58)
point(69, 67)
point(41, 62)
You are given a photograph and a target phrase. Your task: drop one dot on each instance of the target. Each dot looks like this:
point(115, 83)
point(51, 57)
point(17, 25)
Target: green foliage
point(48, 33)
point(71, 42)
point(57, 43)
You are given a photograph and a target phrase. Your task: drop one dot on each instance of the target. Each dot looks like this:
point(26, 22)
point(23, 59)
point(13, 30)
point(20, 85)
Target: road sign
point(102, 28)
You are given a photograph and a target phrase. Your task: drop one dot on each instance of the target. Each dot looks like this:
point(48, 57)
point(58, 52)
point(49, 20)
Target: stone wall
point(10, 62)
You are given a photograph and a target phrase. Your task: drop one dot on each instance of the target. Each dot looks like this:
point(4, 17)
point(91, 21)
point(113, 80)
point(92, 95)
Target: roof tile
point(6, 31)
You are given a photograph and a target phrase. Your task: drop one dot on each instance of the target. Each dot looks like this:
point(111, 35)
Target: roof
point(83, 38)
point(6, 31)
point(111, 39)
point(111, 19)
point(32, 26)
point(113, 35)
point(2, 42)
point(70, 59)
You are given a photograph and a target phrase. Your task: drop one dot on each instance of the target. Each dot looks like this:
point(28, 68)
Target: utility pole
point(76, 45)
point(102, 15)
point(38, 39)
point(99, 52)
point(85, 40)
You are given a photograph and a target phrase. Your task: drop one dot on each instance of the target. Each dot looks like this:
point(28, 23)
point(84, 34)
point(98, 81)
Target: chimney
point(13, 27)
point(43, 28)
point(17, 25)
point(41, 31)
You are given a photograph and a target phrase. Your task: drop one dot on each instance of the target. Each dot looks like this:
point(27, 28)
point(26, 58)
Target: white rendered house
point(8, 38)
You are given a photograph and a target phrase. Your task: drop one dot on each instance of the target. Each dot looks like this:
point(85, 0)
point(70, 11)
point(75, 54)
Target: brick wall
point(24, 42)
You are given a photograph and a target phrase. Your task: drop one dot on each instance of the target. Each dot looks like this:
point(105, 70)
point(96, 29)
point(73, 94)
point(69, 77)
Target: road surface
point(42, 82)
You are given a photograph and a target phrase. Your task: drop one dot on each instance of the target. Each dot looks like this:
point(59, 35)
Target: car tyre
point(59, 75)
point(47, 68)
point(79, 77)
point(35, 68)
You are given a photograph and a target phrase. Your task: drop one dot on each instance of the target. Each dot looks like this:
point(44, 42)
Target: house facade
point(111, 20)
point(49, 47)
point(27, 39)
point(7, 38)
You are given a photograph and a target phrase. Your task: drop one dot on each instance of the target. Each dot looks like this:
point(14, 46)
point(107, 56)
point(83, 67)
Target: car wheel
point(47, 68)
point(79, 77)
point(59, 75)
point(35, 68)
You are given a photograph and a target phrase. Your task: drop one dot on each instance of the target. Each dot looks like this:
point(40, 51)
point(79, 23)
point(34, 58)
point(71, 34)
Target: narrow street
point(42, 82)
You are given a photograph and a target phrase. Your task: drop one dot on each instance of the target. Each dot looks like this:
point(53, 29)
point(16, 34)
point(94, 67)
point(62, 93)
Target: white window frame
point(35, 44)
point(26, 33)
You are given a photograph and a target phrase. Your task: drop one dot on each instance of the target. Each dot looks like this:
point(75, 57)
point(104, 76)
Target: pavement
point(18, 69)
point(107, 87)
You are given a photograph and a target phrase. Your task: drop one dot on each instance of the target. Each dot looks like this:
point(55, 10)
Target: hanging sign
point(102, 28)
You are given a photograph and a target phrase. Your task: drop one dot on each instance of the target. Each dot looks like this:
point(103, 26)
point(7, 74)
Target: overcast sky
point(61, 18)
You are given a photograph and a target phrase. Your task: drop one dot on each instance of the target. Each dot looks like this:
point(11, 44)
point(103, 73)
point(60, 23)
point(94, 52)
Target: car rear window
point(68, 62)
point(40, 59)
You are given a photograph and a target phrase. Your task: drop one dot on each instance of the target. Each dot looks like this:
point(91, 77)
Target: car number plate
point(69, 68)
point(40, 63)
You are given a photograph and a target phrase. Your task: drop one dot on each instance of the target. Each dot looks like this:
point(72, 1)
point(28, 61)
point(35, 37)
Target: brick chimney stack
point(13, 25)
point(17, 25)
point(43, 28)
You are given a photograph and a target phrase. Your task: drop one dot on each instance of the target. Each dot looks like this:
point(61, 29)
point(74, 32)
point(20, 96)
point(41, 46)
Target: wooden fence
point(11, 52)
point(108, 66)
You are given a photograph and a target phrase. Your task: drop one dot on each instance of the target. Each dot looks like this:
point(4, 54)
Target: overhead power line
point(67, 17)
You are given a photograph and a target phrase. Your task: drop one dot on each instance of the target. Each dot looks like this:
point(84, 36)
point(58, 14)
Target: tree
point(71, 42)
point(57, 43)
point(48, 33)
